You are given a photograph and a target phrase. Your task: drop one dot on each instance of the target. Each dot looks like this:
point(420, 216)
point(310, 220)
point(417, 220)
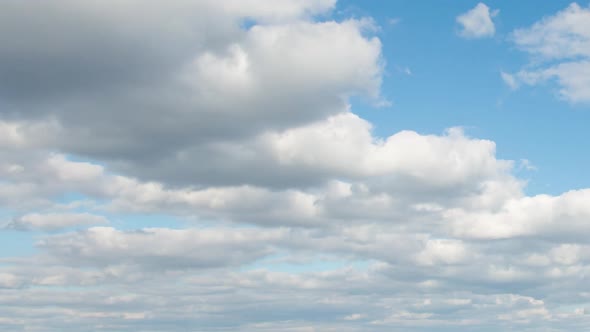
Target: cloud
point(177, 248)
point(559, 46)
point(394, 21)
point(477, 22)
point(527, 165)
point(540, 215)
point(339, 147)
point(560, 36)
point(138, 92)
point(247, 194)
point(510, 80)
point(53, 221)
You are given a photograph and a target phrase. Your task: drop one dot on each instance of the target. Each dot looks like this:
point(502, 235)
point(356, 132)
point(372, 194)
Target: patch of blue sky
point(5, 214)
point(17, 243)
point(139, 221)
point(247, 23)
point(67, 198)
point(14, 243)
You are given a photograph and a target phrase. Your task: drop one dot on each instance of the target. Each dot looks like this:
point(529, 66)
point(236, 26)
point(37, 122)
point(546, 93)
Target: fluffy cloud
point(477, 22)
point(155, 91)
point(560, 36)
point(541, 215)
point(332, 169)
point(560, 48)
point(341, 146)
point(276, 207)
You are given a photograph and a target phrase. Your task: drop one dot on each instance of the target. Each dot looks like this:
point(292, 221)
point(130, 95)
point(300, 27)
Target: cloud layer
point(200, 167)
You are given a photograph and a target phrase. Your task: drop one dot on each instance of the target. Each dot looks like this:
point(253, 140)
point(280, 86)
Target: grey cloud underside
point(68, 48)
point(281, 300)
point(160, 88)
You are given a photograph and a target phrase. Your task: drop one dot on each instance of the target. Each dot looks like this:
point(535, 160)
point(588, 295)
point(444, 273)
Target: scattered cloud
point(404, 70)
point(527, 165)
point(394, 21)
point(559, 46)
point(477, 22)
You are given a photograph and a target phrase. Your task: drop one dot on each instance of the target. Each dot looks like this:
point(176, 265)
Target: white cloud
point(543, 215)
point(283, 210)
point(564, 35)
point(477, 22)
point(9, 280)
point(560, 49)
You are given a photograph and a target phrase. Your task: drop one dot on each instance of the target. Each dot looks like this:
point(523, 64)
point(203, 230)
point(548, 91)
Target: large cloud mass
point(196, 165)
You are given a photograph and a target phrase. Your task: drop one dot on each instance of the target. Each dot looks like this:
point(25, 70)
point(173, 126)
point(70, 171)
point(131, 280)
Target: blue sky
point(315, 165)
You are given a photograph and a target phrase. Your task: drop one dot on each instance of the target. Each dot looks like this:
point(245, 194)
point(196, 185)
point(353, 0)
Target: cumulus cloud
point(155, 91)
point(477, 22)
point(540, 215)
point(559, 46)
point(560, 36)
point(277, 208)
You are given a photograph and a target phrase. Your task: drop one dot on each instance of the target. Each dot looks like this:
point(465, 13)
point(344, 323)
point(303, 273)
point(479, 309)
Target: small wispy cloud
point(404, 70)
point(477, 22)
point(510, 80)
point(525, 164)
point(394, 21)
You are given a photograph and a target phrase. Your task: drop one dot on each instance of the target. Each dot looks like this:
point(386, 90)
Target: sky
point(294, 165)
